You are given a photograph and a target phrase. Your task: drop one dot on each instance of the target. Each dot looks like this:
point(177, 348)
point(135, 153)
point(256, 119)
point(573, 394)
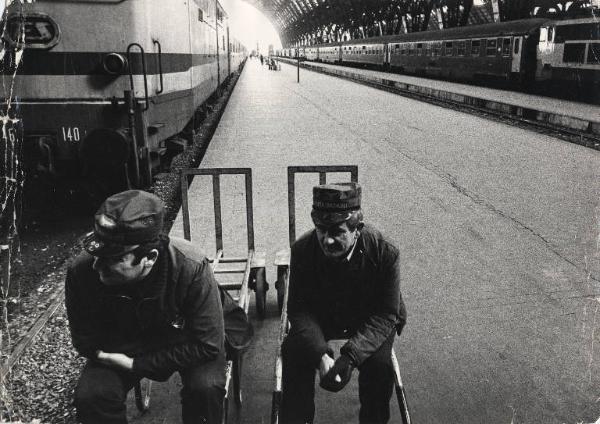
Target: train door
point(516, 54)
point(386, 55)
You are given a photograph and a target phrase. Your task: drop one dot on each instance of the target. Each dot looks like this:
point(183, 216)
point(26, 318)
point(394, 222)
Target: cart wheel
point(142, 395)
point(261, 293)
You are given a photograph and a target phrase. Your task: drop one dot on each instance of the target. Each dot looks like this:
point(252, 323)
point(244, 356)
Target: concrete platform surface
point(498, 229)
point(565, 114)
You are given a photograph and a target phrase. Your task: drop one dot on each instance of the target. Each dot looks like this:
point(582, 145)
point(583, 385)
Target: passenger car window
point(490, 49)
point(506, 47)
point(448, 48)
point(574, 52)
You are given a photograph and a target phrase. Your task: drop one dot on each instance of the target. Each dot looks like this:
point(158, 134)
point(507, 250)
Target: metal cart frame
point(251, 269)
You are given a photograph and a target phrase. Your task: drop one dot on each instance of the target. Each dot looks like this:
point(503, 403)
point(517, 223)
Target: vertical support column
point(496, 10)
point(440, 18)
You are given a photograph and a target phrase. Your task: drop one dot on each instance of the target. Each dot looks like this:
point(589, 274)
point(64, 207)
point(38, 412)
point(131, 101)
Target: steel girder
point(310, 21)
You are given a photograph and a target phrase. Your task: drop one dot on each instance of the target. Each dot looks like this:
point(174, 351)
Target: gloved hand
point(343, 368)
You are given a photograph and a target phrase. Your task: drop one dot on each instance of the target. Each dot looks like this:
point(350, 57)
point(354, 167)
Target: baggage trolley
point(250, 270)
point(282, 261)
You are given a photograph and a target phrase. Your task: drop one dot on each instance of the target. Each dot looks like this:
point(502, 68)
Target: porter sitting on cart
point(139, 306)
point(344, 283)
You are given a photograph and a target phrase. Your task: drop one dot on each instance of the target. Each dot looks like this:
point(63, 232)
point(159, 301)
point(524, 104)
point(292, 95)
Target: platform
point(570, 115)
point(497, 228)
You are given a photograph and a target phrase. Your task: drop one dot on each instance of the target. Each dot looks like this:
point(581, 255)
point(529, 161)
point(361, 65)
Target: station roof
point(294, 18)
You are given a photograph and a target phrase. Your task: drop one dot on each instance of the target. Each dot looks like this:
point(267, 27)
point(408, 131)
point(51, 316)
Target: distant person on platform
point(138, 306)
point(344, 283)
point(262, 59)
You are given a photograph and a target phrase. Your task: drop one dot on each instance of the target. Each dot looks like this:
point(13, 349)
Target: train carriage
point(370, 52)
point(311, 53)
point(500, 50)
point(73, 85)
point(330, 53)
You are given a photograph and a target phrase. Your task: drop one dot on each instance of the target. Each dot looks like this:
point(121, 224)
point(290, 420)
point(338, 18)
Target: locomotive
point(542, 53)
point(110, 89)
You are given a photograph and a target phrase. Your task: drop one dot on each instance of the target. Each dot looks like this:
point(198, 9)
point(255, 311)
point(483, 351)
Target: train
point(108, 91)
point(529, 53)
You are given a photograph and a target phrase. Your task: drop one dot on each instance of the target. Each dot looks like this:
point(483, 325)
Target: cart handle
point(216, 183)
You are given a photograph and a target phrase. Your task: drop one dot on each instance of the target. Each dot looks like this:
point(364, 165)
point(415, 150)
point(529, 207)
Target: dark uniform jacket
point(171, 320)
point(358, 299)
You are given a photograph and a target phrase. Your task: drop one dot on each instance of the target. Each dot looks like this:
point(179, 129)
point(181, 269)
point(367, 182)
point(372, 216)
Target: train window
point(475, 44)
point(506, 47)
point(543, 34)
point(577, 32)
point(490, 47)
point(437, 48)
point(460, 49)
point(593, 53)
point(574, 52)
point(517, 45)
point(448, 48)
point(550, 34)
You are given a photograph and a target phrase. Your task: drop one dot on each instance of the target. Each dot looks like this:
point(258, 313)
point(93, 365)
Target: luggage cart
point(250, 269)
point(282, 261)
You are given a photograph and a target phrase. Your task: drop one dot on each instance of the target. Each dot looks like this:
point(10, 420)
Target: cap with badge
point(335, 203)
point(124, 221)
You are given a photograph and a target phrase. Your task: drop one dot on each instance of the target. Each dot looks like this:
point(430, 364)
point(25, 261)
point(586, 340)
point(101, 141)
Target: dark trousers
point(375, 384)
point(101, 393)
